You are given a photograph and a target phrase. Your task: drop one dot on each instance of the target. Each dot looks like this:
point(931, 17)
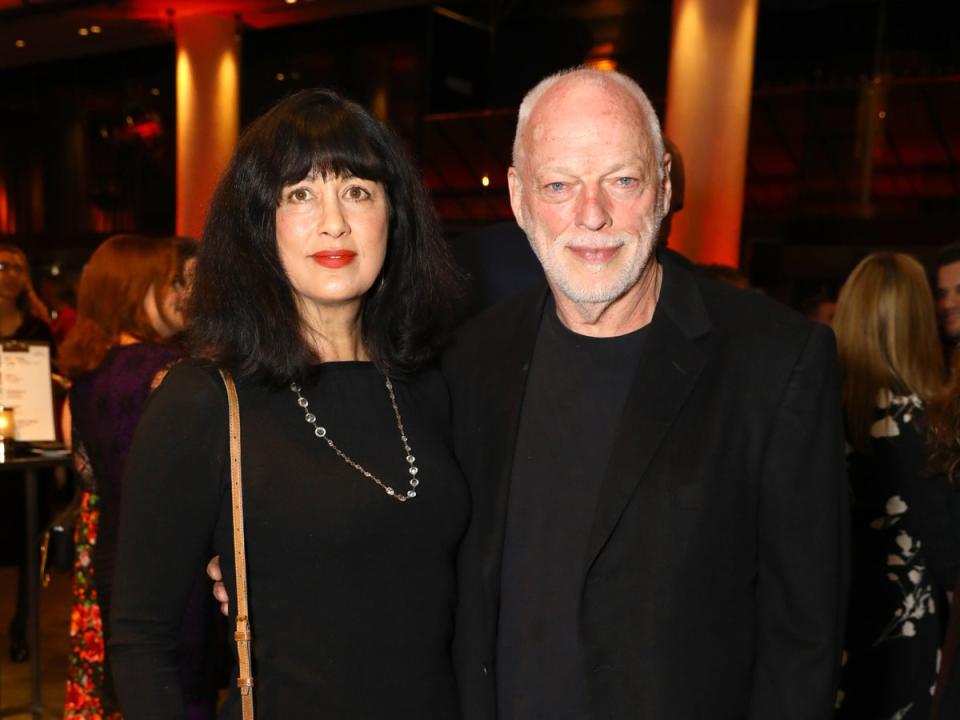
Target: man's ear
point(515, 184)
point(666, 186)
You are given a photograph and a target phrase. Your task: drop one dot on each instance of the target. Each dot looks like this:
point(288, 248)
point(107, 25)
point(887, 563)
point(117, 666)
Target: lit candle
point(8, 427)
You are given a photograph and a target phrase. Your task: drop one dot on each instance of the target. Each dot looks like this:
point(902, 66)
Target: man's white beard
point(627, 276)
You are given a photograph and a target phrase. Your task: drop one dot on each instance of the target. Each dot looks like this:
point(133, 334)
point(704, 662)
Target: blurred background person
point(22, 317)
point(173, 309)
point(56, 292)
point(891, 365)
point(946, 276)
point(934, 519)
point(116, 354)
point(819, 307)
point(726, 274)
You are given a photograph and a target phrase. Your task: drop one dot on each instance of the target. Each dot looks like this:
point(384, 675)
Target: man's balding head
point(597, 78)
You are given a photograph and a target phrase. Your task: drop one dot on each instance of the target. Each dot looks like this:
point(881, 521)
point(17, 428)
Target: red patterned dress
point(85, 672)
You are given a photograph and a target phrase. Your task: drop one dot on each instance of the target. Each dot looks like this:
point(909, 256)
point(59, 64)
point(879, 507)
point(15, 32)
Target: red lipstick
point(334, 258)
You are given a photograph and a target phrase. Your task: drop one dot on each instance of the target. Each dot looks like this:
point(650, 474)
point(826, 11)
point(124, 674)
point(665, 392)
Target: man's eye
point(556, 187)
point(626, 182)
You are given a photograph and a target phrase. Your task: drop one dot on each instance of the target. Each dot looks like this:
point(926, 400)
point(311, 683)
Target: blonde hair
point(887, 337)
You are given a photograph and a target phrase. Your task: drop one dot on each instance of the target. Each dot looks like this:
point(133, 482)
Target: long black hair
point(243, 310)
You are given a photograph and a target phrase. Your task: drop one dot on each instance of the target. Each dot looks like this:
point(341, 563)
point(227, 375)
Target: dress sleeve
point(803, 555)
point(173, 487)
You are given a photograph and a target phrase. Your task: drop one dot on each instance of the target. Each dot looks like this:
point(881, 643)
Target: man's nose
point(593, 212)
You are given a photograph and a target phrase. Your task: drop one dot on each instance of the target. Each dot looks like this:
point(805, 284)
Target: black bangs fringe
point(329, 144)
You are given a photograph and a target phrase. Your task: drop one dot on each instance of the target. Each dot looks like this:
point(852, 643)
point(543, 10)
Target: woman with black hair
point(323, 285)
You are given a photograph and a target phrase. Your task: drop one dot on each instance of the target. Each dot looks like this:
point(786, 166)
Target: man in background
point(947, 288)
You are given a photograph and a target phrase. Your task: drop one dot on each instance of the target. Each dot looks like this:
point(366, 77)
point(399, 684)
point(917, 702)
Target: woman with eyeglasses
point(22, 317)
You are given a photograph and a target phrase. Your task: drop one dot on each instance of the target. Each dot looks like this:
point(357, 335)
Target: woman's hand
point(219, 590)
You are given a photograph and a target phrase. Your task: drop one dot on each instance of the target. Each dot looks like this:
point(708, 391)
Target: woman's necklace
point(321, 432)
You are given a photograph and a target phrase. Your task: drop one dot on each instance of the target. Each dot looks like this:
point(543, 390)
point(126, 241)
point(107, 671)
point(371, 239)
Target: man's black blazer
point(714, 583)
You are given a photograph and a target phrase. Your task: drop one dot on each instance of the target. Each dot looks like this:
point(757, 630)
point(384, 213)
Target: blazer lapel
point(508, 377)
point(668, 371)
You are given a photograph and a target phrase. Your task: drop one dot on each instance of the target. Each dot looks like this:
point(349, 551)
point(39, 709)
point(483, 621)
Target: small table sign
point(25, 386)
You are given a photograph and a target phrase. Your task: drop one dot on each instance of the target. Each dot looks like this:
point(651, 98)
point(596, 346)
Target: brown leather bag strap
point(244, 632)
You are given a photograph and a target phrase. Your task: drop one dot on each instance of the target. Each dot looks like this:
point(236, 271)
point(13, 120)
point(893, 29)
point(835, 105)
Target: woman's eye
point(298, 195)
point(355, 192)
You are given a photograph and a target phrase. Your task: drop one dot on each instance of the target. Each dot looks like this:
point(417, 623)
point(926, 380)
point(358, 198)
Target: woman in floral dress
point(128, 305)
point(891, 363)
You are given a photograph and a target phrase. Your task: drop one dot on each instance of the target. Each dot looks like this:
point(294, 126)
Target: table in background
point(27, 468)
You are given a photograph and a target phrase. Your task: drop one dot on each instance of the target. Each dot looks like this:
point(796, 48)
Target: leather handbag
point(57, 546)
point(244, 630)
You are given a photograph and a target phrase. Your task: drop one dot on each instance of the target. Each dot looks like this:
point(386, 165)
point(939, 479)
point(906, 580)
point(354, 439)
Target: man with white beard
point(656, 465)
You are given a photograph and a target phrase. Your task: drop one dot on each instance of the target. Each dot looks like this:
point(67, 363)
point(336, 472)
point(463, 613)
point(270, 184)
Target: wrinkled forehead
point(576, 120)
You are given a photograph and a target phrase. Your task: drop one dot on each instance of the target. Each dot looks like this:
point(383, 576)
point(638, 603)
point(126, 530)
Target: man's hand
point(219, 591)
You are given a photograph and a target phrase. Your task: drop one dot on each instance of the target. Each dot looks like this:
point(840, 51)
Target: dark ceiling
point(855, 116)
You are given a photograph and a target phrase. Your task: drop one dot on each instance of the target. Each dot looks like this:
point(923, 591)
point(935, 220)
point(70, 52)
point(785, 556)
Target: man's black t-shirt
point(575, 394)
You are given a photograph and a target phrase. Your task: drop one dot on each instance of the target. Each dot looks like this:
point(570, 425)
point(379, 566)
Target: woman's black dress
point(351, 593)
point(895, 614)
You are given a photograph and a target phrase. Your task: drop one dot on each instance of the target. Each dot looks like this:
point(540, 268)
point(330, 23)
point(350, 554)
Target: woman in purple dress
point(128, 304)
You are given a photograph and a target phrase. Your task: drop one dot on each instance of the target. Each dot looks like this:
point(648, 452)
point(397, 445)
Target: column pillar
point(708, 116)
point(208, 112)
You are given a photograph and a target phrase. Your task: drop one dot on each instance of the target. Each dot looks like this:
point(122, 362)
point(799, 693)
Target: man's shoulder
point(748, 318)
point(731, 305)
point(517, 315)
point(498, 337)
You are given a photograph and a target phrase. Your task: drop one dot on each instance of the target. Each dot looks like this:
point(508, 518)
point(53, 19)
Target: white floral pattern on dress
point(898, 407)
point(904, 568)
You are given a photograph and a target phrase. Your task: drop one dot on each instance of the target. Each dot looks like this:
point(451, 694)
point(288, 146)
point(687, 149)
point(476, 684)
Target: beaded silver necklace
point(321, 432)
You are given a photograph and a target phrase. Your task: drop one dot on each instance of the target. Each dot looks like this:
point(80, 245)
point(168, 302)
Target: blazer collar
point(671, 363)
point(680, 297)
point(508, 374)
point(668, 371)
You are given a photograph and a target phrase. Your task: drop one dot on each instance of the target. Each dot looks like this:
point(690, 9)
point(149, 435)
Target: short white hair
point(597, 78)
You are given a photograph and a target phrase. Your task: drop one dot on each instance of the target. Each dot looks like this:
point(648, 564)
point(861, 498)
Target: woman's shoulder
point(898, 414)
point(192, 386)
